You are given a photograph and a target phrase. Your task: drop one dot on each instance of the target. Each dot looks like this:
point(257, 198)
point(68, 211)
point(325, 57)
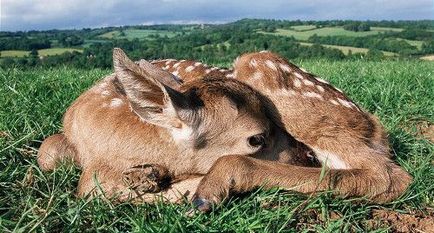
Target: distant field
point(56, 51)
point(303, 27)
point(428, 58)
point(416, 43)
point(386, 29)
point(346, 49)
point(136, 34)
point(325, 31)
point(13, 53)
point(41, 52)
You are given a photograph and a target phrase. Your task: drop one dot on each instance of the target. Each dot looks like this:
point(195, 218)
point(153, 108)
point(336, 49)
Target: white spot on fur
point(176, 64)
point(321, 80)
point(197, 64)
point(308, 83)
point(176, 73)
point(320, 88)
point(189, 69)
point(298, 75)
point(297, 83)
point(207, 71)
point(231, 75)
point(116, 102)
point(214, 68)
point(345, 103)
point(257, 75)
point(166, 67)
point(330, 160)
point(312, 95)
point(223, 70)
point(168, 62)
point(253, 63)
point(105, 93)
point(303, 70)
point(285, 68)
point(264, 51)
point(271, 64)
point(183, 134)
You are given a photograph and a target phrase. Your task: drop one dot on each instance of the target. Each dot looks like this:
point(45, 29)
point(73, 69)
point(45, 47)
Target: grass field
point(14, 53)
point(303, 27)
point(41, 52)
point(325, 31)
point(136, 34)
point(32, 102)
point(346, 49)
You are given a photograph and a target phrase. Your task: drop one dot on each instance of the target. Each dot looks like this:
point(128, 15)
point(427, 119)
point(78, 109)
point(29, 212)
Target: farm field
point(346, 49)
point(136, 34)
point(325, 31)
point(41, 52)
point(400, 93)
point(303, 27)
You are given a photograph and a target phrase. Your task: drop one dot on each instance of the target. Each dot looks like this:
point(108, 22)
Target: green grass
point(32, 103)
point(136, 34)
point(346, 49)
point(41, 52)
point(325, 31)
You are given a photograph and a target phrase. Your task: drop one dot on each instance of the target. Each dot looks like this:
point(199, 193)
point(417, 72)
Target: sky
point(67, 14)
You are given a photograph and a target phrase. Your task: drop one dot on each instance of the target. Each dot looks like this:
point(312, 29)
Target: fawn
point(304, 117)
point(141, 129)
point(348, 141)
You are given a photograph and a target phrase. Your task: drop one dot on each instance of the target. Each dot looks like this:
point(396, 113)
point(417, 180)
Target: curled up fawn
point(170, 129)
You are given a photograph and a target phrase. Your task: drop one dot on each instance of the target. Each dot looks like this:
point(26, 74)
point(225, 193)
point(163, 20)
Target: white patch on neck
point(182, 134)
point(330, 160)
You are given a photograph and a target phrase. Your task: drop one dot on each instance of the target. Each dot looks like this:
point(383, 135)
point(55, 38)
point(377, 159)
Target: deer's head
point(210, 117)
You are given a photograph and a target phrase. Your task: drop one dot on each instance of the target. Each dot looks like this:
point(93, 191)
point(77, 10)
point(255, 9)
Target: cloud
point(49, 14)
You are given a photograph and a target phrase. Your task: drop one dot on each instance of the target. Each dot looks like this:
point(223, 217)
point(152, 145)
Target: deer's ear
point(150, 98)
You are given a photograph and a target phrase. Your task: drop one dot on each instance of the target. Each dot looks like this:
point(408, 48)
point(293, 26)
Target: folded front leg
point(242, 173)
point(146, 178)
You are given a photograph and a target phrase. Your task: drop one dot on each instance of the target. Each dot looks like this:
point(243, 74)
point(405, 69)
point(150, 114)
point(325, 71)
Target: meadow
point(41, 52)
point(400, 93)
point(131, 34)
point(303, 35)
point(346, 49)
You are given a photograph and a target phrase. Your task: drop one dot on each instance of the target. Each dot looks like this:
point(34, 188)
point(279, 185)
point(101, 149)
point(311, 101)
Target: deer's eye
point(257, 140)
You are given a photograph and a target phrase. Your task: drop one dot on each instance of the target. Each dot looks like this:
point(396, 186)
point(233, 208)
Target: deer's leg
point(98, 178)
point(242, 173)
point(144, 183)
point(178, 192)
